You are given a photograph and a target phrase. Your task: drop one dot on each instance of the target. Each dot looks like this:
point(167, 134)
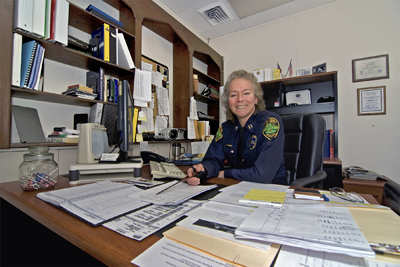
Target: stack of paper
point(322, 229)
point(173, 196)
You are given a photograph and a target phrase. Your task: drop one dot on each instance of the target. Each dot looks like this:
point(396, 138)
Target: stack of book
point(63, 135)
point(80, 91)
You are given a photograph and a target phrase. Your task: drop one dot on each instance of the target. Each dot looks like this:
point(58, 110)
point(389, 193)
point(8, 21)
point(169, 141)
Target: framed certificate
point(371, 101)
point(370, 68)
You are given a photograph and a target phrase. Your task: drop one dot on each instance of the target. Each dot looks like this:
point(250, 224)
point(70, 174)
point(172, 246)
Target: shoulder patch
point(271, 128)
point(219, 134)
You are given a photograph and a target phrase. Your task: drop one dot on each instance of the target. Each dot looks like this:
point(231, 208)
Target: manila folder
point(225, 249)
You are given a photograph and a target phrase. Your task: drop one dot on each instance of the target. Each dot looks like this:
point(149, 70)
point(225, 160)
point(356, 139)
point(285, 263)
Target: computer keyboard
point(165, 169)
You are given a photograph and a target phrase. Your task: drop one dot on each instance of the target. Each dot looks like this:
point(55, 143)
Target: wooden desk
point(105, 245)
point(361, 186)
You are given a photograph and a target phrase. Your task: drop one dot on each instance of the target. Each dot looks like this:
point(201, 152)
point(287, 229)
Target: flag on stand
point(290, 69)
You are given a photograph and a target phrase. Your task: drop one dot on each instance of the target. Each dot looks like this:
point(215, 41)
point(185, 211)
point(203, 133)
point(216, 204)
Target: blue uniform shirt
point(263, 141)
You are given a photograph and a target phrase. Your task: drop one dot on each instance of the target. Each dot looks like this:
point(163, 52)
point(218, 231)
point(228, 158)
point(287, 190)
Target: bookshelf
point(134, 15)
point(320, 85)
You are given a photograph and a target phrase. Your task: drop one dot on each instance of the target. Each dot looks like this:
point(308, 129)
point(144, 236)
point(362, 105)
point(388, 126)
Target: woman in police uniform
point(251, 140)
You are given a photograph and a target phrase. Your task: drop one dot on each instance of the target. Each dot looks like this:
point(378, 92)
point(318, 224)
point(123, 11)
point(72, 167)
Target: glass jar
point(38, 170)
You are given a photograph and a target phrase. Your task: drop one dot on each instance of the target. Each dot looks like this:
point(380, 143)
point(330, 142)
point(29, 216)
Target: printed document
point(142, 85)
point(140, 224)
point(172, 196)
point(326, 229)
point(95, 203)
point(167, 252)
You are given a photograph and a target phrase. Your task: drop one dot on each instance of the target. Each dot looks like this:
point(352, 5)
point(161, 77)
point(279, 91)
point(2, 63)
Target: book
point(38, 18)
point(124, 56)
point(92, 81)
point(301, 193)
point(101, 14)
point(23, 16)
point(134, 126)
point(28, 56)
point(195, 83)
point(96, 112)
point(17, 54)
point(38, 61)
point(67, 140)
point(331, 143)
point(257, 197)
point(78, 44)
point(79, 93)
point(102, 33)
point(80, 87)
point(113, 45)
point(59, 16)
point(327, 143)
point(101, 85)
point(75, 201)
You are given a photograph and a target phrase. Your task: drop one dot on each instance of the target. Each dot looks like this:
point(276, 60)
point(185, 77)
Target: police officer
point(251, 140)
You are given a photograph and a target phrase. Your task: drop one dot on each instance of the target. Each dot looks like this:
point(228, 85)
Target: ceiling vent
point(218, 13)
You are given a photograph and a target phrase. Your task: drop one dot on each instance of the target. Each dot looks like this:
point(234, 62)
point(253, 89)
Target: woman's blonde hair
point(258, 92)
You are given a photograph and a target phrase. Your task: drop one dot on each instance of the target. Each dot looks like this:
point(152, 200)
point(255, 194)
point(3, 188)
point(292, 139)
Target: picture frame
point(370, 68)
point(371, 100)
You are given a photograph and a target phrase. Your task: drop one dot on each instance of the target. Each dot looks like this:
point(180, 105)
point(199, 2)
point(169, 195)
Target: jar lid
point(38, 153)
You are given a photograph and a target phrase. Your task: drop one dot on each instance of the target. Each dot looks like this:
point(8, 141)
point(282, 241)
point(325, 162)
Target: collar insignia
point(253, 142)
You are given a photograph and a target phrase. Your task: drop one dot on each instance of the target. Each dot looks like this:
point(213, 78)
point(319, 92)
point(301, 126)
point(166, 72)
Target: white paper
point(156, 78)
point(191, 131)
point(142, 88)
point(149, 123)
point(160, 123)
point(199, 147)
point(193, 109)
point(325, 229)
point(147, 66)
point(162, 101)
point(291, 256)
point(167, 252)
point(173, 196)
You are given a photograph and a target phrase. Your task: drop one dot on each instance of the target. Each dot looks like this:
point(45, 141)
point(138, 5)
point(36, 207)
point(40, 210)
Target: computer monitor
point(125, 122)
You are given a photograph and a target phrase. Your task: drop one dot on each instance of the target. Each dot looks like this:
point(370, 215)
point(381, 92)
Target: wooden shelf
point(25, 93)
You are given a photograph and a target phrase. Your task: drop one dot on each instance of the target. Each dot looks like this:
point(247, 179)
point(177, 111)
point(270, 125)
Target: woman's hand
point(194, 180)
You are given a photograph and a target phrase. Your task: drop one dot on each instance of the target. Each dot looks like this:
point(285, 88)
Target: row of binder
point(46, 19)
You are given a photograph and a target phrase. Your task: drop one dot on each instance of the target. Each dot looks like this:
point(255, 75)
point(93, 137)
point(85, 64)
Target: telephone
point(148, 156)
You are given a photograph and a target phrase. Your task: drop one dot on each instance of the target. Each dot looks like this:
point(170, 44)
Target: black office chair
point(391, 196)
point(303, 150)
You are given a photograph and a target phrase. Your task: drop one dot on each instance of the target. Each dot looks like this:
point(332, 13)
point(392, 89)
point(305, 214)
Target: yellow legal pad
point(264, 197)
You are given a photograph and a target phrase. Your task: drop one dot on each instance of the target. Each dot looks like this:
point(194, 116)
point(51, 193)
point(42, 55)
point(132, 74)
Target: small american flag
point(290, 69)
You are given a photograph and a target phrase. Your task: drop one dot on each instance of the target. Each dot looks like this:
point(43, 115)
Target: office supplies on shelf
point(175, 196)
point(17, 54)
point(165, 169)
point(89, 173)
point(305, 227)
point(141, 223)
point(262, 197)
point(95, 203)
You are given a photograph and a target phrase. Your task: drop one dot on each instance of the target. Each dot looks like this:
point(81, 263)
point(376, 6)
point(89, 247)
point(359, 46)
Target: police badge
point(271, 128)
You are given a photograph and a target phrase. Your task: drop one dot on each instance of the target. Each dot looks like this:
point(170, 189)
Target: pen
point(165, 189)
point(325, 198)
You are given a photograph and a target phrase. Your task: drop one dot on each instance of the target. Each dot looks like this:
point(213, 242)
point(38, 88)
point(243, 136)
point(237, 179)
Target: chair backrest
point(303, 150)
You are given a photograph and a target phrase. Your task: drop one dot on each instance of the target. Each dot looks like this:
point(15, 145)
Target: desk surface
point(106, 245)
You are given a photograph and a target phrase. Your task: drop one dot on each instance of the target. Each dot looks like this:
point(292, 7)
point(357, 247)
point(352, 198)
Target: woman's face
point(242, 100)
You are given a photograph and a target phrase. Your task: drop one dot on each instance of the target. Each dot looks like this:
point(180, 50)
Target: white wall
point(336, 34)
